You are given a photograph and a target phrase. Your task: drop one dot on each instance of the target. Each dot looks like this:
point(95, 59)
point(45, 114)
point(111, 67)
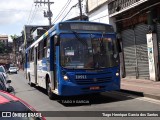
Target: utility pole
point(47, 14)
point(80, 9)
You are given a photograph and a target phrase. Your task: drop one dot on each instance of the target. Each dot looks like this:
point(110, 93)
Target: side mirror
point(56, 40)
point(119, 45)
point(10, 89)
point(9, 81)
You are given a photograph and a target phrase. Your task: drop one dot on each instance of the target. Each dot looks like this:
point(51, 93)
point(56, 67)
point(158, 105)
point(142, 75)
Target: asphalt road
point(109, 101)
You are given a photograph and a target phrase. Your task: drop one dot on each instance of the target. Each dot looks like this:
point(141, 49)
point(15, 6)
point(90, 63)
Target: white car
point(13, 70)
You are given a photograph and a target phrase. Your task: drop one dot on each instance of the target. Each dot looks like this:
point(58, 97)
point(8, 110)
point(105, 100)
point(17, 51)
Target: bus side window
point(48, 52)
point(28, 56)
point(44, 47)
point(56, 40)
point(38, 51)
point(47, 48)
point(40, 48)
point(32, 54)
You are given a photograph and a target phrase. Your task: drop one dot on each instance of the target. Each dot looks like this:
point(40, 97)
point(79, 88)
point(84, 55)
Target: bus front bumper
point(73, 89)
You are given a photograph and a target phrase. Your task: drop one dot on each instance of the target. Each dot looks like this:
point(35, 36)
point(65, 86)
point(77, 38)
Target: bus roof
point(56, 26)
point(79, 21)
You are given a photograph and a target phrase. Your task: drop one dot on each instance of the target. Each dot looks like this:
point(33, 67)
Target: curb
point(140, 94)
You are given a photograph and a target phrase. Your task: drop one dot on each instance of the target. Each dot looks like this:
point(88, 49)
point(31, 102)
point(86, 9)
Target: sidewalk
point(140, 87)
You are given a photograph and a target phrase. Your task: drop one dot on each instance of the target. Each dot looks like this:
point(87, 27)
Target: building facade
point(137, 23)
point(4, 39)
point(5, 53)
point(134, 19)
point(98, 11)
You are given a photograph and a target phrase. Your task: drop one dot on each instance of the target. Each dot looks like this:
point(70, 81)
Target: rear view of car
point(13, 108)
point(13, 70)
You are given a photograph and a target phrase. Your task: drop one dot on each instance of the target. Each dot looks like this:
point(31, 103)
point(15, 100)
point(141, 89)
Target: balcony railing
point(118, 5)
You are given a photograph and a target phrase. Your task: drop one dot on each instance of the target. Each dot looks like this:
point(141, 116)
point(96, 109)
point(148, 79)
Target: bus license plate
point(94, 88)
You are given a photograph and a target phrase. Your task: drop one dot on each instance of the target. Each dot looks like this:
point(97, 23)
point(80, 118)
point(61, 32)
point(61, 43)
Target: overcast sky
point(14, 14)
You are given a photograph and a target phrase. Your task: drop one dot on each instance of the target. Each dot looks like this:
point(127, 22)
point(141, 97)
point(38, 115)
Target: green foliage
point(14, 37)
point(2, 47)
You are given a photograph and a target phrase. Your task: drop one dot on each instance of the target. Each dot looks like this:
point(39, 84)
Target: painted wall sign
point(152, 55)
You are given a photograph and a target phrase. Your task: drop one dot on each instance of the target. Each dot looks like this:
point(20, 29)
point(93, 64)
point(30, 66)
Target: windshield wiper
point(102, 46)
point(79, 39)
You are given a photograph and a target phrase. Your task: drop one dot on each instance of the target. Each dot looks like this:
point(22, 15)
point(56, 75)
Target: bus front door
point(56, 61)
point(35, 63)
point(55, 69)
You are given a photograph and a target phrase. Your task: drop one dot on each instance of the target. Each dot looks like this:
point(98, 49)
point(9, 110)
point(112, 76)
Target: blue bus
point(74, 58)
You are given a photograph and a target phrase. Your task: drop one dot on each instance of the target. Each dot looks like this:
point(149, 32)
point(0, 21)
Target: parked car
point(5, 84)
point(2, 86)
point(11, 105)
point(2, 70)
point(13, 70)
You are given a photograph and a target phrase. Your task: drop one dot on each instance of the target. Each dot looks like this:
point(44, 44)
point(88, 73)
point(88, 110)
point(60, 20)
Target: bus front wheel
point(49, 91)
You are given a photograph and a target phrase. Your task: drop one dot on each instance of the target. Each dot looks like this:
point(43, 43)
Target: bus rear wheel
point(49, 91)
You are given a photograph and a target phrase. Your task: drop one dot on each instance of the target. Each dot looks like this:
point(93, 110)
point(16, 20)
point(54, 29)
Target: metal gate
point(135, 52)
point(129, 52)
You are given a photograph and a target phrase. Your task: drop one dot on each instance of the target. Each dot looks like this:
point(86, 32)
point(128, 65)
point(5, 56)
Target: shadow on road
point(90, 99)
point(107, 97)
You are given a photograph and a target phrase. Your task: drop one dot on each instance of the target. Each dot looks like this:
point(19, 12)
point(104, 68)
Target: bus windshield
point(88, 51)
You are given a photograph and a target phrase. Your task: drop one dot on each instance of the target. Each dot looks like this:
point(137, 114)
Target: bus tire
point(29, 80)
point(51, 95)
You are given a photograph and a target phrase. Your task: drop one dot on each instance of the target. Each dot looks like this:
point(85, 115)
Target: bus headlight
point(65, 77)
point(117, 74)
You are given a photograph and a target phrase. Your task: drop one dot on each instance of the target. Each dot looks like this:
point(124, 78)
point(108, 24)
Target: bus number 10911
point(81, 76)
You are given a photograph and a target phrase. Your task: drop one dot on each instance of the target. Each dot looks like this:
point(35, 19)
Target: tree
point(14, 37)
point(2, 46)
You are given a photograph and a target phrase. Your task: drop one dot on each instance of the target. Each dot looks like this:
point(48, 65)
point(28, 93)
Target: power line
point(34, 16)
point(69, 11)
point(34, 12)
point(31, 18)
point(47, 14)
point(30, 14)
point(62, 11)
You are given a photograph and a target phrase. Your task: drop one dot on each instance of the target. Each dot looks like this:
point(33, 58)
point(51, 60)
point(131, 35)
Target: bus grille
point(93, 80)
